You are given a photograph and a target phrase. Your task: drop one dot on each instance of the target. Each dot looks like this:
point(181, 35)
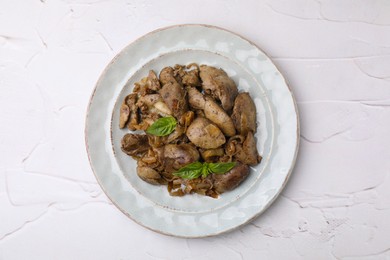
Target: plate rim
point(293, 162)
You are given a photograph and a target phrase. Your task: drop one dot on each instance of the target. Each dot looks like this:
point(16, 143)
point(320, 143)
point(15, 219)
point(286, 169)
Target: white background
point(336, 56)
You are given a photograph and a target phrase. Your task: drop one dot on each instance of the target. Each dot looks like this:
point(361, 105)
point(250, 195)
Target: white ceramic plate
point(193, 215)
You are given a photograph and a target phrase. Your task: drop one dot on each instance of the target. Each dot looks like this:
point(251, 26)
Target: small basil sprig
point(197, 169)
point(162, 127)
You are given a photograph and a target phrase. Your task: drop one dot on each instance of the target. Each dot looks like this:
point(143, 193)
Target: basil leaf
point(190, 171)
point(205, 170)
point(221, 168)
point(162, 127)
point(197, 169)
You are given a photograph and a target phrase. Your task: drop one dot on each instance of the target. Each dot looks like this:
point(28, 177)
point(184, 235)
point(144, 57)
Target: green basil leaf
point(162, 127)
point(221, 168)
point(190, 171)
point(205, 170)
point(197, 169)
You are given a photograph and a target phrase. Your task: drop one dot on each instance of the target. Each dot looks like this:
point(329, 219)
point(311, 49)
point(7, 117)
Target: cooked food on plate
point(198, 130)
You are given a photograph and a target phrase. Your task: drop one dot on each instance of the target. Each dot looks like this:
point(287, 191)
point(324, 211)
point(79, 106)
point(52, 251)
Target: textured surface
point(336, 57)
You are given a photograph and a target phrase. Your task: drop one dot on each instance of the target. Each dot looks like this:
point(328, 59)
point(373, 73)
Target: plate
point(193, 215)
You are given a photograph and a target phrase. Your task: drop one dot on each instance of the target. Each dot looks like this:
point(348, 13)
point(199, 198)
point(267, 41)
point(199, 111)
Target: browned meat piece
point(187, 77)
point(147, 85)
point(231, 179)
point(204, 134)
point(247, 152)
point(166, 76)
point(152, 81)
point(175, 98)
point(131, 101)
point(135, 145)
point(186, 119)
point(178, 73)
point(217, 83)
point(138, 111)
point(151, 107)
point(191, 78)
point(211, 155)
point(244, 114)
point(177, 156)
point(128, 114)
point(218, 116)
point(124, 114)
point(195, 98)
point(153, 103)
point(212, 111)
point(149, 175)
point(147, 113)
point(172, 93)
point(149, 100)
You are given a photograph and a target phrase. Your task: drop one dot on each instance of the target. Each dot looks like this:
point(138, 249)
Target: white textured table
point(336, 56)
